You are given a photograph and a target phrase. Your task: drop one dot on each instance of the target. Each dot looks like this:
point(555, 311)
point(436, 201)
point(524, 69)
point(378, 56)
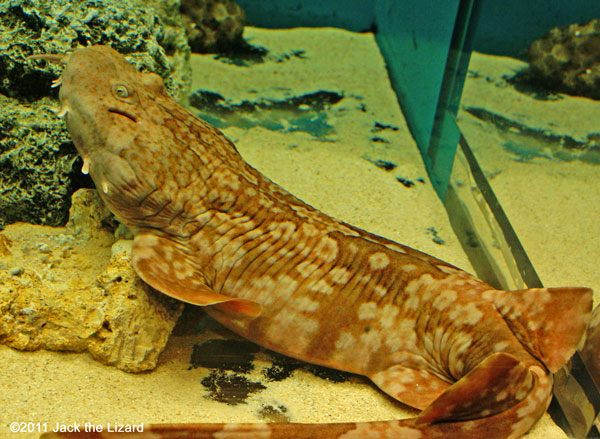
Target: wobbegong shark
point(212, 231)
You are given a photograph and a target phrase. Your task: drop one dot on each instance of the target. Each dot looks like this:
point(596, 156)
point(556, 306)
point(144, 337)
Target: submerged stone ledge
point(61, 290)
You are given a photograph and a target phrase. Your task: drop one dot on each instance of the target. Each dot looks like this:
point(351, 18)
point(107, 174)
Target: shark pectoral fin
point(163, 265)
point(242, 307)
point(495, 385)
point(413, 386)
point(549, 322)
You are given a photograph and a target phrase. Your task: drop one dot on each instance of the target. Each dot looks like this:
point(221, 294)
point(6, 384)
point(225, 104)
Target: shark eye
point(121, 91)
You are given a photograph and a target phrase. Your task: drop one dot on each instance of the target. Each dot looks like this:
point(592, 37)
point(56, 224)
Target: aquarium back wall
point(354, 15)
point(505, 28)
point(508, 27)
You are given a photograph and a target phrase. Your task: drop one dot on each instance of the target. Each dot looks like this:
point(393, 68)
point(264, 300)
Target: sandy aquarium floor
point(332, 153)
point(538, 157)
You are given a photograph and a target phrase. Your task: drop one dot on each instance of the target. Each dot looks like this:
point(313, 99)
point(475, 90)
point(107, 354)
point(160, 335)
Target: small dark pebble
point(379, 140)
point(380, 126)
point(336, 376)
point(274, 414)
point(282, 367)
point(433, 232)
point(405, 182)
point(229, 388)
point(383, 164)
point(299, 54)
point(17, 271)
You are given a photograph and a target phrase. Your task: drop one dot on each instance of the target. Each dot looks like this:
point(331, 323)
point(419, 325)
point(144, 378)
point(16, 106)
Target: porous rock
point(213, 25)
point(58, 26)
point(36, 155)
point(567, 59)
point(36, 163)
point(60, 289)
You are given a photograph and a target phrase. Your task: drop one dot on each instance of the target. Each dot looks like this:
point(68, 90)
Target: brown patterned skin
point(211, 230)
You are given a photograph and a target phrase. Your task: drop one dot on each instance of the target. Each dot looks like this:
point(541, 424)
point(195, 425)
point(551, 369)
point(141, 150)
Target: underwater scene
point(215, 229)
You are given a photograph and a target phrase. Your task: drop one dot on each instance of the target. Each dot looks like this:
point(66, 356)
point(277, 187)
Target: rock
point(567, 59)
point(73, 296)
point(213, 25)
point(36, 164)
point(55, 26)
point(39, 169)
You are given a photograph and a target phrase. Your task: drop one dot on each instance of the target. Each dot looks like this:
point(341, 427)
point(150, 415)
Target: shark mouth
point(123, 113)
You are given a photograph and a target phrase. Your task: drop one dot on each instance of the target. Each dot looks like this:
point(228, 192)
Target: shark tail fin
point(550, 322)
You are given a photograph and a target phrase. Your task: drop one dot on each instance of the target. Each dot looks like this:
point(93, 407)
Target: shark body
point(212, 231)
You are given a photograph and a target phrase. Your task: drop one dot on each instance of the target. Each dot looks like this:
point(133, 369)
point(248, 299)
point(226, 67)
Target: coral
point(71, 289)
point(213, 25)
point(567, 59)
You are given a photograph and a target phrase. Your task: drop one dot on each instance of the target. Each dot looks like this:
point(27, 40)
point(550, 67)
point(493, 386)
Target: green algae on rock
point(57, 26)
point(36, 154)
point(36, 164)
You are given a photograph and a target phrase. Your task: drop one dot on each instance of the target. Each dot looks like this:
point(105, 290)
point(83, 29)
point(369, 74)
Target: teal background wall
point(354, 15)
point(506, 27)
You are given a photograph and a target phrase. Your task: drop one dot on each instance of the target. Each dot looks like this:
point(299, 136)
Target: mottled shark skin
point(211, 230)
